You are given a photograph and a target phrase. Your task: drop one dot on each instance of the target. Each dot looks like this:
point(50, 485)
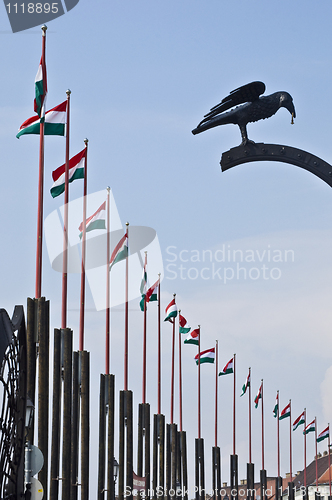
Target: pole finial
point(44, 28)
point(108, 189)
point(127, 224)
point(68, 92)
point(86, 141)
point(159, 274)
point(174, 295)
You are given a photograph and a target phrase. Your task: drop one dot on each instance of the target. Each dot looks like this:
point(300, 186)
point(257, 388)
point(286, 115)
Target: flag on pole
point(144, 280)
point(40, 87)
point(76, 171)
point(205, 356)
point(285, 412)
point(152, 293)
point(54, 122)
point(228, 368)
point(96, 221)
point(276, 406)
point(245, 385)
point(144, 284)
point(300, 420)
point(120, 252)
point(184, 327)
point(323, 435)
point(310, 427)
point(192, 337)
point(259, 396)
point(171, 311)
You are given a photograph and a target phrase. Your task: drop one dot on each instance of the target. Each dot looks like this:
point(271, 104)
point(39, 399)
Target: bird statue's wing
point(246, 93)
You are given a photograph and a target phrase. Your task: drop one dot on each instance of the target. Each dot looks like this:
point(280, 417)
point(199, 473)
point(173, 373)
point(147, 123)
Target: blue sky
point(142, 75)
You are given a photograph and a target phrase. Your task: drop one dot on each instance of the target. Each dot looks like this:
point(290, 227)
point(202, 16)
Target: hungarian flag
point(259, 395)
point(300, 420)
point(276, 406)
point(171, 311)
point(184, 327)
point(96, 221)
point(285, 412)
point(152, 293)
point(192, 337)
point(205, 356)
point(144, 284)
point(228, 368)
point(310, 427)
point(120, 252)
point(246, 385)
point(40, 87)
point(323, 435)
point(54, 122)
point(76, 171)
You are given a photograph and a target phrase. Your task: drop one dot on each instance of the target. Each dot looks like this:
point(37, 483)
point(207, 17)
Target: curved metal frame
point(13, 380)
point(276, 152)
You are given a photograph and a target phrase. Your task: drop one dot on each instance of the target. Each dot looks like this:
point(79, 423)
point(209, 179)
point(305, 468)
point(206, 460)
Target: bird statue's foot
point(246, 141)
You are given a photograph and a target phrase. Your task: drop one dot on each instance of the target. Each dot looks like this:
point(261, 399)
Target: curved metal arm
point(276, 152)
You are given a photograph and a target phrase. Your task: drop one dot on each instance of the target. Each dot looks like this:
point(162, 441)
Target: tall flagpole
point(316, 454)
point(290, 441)
point(82, 302)
point(40, 188)
point(159, 351)
point(199, 382)
point(329, 452)
point(144, 337)
point(172, 377)
point(234, 406)
point(249, 415)
point(263, 468)
point(126, 318)
point(107, 339)
point(180, 379)
point(305, 449)
point(65, 224)
point(278, 435)
point(216, 401)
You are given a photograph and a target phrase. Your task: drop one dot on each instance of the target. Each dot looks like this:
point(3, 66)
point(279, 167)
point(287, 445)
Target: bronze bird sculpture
point(255, 108)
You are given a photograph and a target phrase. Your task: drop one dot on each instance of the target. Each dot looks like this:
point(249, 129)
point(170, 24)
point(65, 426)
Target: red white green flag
point(144, 283)
point(310, 427)
point(276, 406)
point(120, 252)
point(184, 327)
point(95, 221)
point(152, 293)
point(76, 171)
point(323, 435)
point(192, 337)
point(40, 87)
point(259, 395)
point(300, 420)
point(285, 412)
point(171, 311)
point(54, 122)
point(245, 385)
point(228, 368)
point(205, 356)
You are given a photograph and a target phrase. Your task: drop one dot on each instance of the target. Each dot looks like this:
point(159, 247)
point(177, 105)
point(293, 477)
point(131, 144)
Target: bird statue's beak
point(291, 108)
